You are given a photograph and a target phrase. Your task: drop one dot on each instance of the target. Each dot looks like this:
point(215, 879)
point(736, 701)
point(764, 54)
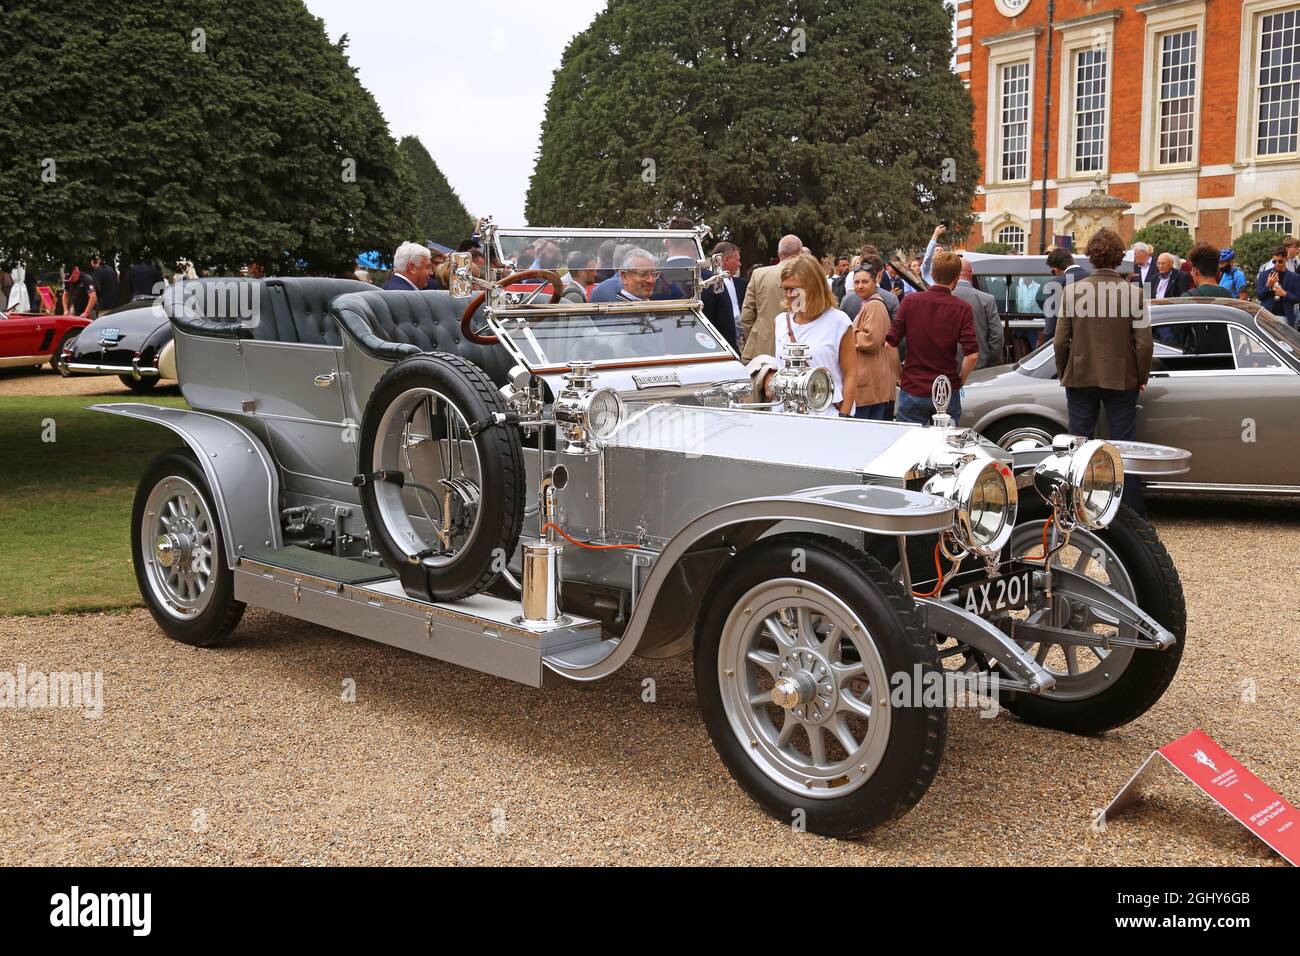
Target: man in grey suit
point(988, 324)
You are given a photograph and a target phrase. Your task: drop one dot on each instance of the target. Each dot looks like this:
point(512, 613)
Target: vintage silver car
point(1225, 385)
point(541, 489)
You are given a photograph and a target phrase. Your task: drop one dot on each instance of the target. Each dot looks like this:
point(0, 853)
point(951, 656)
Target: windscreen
point(605, 265)
point(549, 338)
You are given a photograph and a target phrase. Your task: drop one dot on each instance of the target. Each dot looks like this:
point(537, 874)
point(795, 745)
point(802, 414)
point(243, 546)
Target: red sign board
point(1223, 779)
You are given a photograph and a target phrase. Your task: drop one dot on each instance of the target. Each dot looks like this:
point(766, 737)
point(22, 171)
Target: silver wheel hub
point(804, 687)
point(178, 540)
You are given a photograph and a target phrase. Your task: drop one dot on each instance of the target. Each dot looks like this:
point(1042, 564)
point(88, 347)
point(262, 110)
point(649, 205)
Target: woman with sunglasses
point(812, 319)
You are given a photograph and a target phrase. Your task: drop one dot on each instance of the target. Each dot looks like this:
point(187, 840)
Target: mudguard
point(241, 475)
point(876, 509)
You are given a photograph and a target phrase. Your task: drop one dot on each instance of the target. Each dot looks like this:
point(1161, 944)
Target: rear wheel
point(178, 552)
point(58, 349)
point(141, 385)
point(793, 673)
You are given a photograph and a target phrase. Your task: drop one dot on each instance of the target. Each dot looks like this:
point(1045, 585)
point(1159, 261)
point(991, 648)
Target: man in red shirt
point(933, 324)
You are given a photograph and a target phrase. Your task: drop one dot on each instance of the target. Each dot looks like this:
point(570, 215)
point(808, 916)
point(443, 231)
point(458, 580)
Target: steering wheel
point(547, 276)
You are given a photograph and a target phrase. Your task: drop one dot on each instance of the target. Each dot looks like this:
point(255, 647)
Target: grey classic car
point(1019, 285)
point(540, 489)
point(1225, 385)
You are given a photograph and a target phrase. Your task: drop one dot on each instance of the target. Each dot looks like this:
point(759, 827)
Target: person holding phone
point(1278, 288)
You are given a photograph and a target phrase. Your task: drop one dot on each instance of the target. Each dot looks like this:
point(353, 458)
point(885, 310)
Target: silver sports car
point(1225, 385)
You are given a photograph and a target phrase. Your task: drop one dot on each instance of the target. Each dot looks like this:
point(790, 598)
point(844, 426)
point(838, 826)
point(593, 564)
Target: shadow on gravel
point(1252, 510)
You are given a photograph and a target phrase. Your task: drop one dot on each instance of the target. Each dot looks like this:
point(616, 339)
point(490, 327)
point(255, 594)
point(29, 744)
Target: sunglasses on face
point(788, 291)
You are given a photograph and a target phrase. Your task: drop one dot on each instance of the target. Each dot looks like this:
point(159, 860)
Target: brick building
point(1187, 109)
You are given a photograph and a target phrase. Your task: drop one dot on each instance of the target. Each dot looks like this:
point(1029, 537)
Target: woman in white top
point(811, 318)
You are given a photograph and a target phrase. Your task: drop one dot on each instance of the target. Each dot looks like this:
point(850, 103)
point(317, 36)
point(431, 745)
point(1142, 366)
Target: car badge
point(940, 397)
point(655, 379)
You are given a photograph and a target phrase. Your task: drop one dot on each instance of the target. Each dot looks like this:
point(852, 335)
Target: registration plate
point(1007, 592)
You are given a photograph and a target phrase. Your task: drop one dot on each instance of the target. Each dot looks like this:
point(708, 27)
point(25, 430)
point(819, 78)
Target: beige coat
point(1103, 338)
point(877, 361)
point(763, 303)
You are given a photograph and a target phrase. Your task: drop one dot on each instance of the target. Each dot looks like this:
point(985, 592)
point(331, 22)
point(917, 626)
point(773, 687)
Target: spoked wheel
point(177, 550)
point(1097, 689)
point(443, 479)
point(806, 676)
point(793, 674)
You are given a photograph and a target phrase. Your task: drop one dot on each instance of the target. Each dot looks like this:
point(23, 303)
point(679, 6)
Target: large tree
point(837, 119)
point(219, 130)
point(438, 213)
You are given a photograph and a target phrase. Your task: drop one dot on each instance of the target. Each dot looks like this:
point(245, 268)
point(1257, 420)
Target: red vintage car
point(28, 338)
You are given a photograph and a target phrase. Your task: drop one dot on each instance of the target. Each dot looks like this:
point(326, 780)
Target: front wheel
point(795, 652)
point(176, 546)
point(1098, 689)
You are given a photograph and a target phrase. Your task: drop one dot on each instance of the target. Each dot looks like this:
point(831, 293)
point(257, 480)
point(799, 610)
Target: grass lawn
point(65, 505)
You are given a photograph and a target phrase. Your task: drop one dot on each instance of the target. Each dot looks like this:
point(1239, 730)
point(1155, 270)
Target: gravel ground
point(248, 754)
point(46, 381)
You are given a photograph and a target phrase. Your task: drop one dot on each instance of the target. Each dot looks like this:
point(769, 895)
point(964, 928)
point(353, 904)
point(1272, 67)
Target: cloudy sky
point(451, 72)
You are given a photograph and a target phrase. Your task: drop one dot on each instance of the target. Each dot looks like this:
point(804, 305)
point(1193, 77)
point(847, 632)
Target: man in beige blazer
point(764, 301)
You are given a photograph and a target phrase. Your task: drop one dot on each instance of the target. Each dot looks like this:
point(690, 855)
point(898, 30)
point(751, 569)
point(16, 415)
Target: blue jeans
point(918, 409)
point(1084, 406)
point(880, 412)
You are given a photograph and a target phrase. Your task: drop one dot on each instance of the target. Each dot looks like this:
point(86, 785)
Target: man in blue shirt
point(1230, 277)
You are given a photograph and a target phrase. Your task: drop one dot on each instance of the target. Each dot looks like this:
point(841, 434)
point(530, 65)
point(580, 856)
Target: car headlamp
point(1082, 480)
point(984, 491)
point(584, 413)
point(801, 387)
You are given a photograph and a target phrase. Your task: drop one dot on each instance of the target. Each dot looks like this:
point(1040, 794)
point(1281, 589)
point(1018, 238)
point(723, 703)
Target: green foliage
point(1165, 239)
point(995, 248)
point(1252, 250)
point(218, 130)
point(439, 215)
point(760, 117)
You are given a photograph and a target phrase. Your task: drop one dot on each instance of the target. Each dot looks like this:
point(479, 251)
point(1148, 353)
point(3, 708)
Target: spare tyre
point(441, 475)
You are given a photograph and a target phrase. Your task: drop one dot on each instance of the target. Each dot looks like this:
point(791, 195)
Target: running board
point(483, 632)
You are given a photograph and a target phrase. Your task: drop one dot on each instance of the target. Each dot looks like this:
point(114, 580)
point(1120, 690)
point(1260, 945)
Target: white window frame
point(1083, 33)
point(1164, 17)
point(1024, 236)
point(1020, 47)
point(1252, 13)
point(1254, 221)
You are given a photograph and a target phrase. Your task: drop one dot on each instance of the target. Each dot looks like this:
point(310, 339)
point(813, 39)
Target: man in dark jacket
point(722, 305)
point(412, 267)
point(1278, 288)
point(105, 279)
point(1167, 282)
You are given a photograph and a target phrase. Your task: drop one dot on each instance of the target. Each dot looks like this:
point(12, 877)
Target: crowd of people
point(884, 333)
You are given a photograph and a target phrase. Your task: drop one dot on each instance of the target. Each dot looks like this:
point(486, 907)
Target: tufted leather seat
point(396, 324)
point(286, 310)
point(297, 310)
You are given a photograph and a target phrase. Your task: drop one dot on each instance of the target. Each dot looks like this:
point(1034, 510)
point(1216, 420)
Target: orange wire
point(549, 526)
point(938, 569)
point(1047, 527)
